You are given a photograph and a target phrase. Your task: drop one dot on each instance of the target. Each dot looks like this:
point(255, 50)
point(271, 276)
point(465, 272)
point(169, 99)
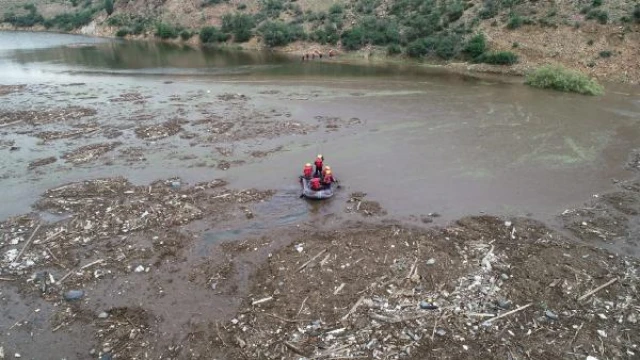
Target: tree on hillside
point(108, 6)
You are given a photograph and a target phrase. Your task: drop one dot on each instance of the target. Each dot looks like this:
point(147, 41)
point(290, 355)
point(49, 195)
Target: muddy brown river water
point(417, 140)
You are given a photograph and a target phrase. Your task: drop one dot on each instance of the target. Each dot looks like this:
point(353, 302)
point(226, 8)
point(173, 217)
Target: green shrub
point(30, 7)
point(596, 3)
point(336, 9)
point(489, 10)
point(590, 42)
point(447, 46)
point(70, 21)
point(108, 6)
point(27, 20)
point(515, 45)
point(272, 8)
point(476, 46)
point(394, 49)
point(326, 35)
point(605, 54)
point(240, 25)
point(166, 31)
point(561, 79)
point(498, 58)
point(515, 21)
point(366, 7)
point(74, 3)
point(212, 34)
point(122, 32)
point(585, 10)
point(600, 15)
point(353, 39)
point(419, 48)
point(213, 2)
point(186, 34)
point(242, 6)
point(636, 13)
point(277, 33)
point(455, 12)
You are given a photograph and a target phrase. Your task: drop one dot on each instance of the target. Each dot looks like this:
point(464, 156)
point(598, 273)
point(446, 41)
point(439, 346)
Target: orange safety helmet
point(319, 156)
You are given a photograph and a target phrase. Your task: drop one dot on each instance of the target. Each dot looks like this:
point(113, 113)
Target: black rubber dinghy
point(325, 193)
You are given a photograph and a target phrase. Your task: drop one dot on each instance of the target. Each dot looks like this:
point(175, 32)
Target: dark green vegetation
point(239, 25)
point(561, 79)
point(129, 24)
point(211, 35)
point(64, 21)
point(108, 6)
point(30, 19)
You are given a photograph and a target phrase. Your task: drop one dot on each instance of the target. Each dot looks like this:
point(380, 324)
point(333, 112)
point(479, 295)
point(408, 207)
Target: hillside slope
point(598, 37)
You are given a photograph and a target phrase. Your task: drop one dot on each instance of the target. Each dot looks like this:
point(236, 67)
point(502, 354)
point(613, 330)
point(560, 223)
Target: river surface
point(426, 140)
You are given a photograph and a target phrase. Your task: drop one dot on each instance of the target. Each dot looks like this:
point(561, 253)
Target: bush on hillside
point(28, 20)
point(212, 34)
point(326, 35)
point(600, 15)
point(419, 48)
point(498, 58)
point(448, 46)
point(166, 31)
point(70, 21)
point(186, 34)
point(272, 8)
point(371, 30)
point(122, 32)
point(455, 12)
point(239, 25)
point(561, 79)
point(636, 13)
point(394, 49)
point(277, 33)
point(515, 21)
point(108, 6)
point(354, 38)
point(476, 46)
point(605, 53)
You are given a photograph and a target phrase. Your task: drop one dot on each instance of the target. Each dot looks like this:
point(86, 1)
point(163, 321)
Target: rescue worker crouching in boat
point(318, 164)
point(324, 171)
point(307, 172)
point(315, 184)
point(327, 179)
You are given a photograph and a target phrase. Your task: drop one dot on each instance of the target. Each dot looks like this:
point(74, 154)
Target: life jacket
point(315, 184)
point(308, 171)
point(318, 163)
point(328, 179)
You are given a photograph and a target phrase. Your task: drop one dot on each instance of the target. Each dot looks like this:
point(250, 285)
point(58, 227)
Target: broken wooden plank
point(608, 283)
point(313, 258)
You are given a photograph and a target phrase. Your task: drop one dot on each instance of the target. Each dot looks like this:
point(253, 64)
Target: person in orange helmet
point(325, 169)
point(307, 172)
point(318, 164)
point(328, 179)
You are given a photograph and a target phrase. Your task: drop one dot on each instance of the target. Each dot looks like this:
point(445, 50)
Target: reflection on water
point(79, 54)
